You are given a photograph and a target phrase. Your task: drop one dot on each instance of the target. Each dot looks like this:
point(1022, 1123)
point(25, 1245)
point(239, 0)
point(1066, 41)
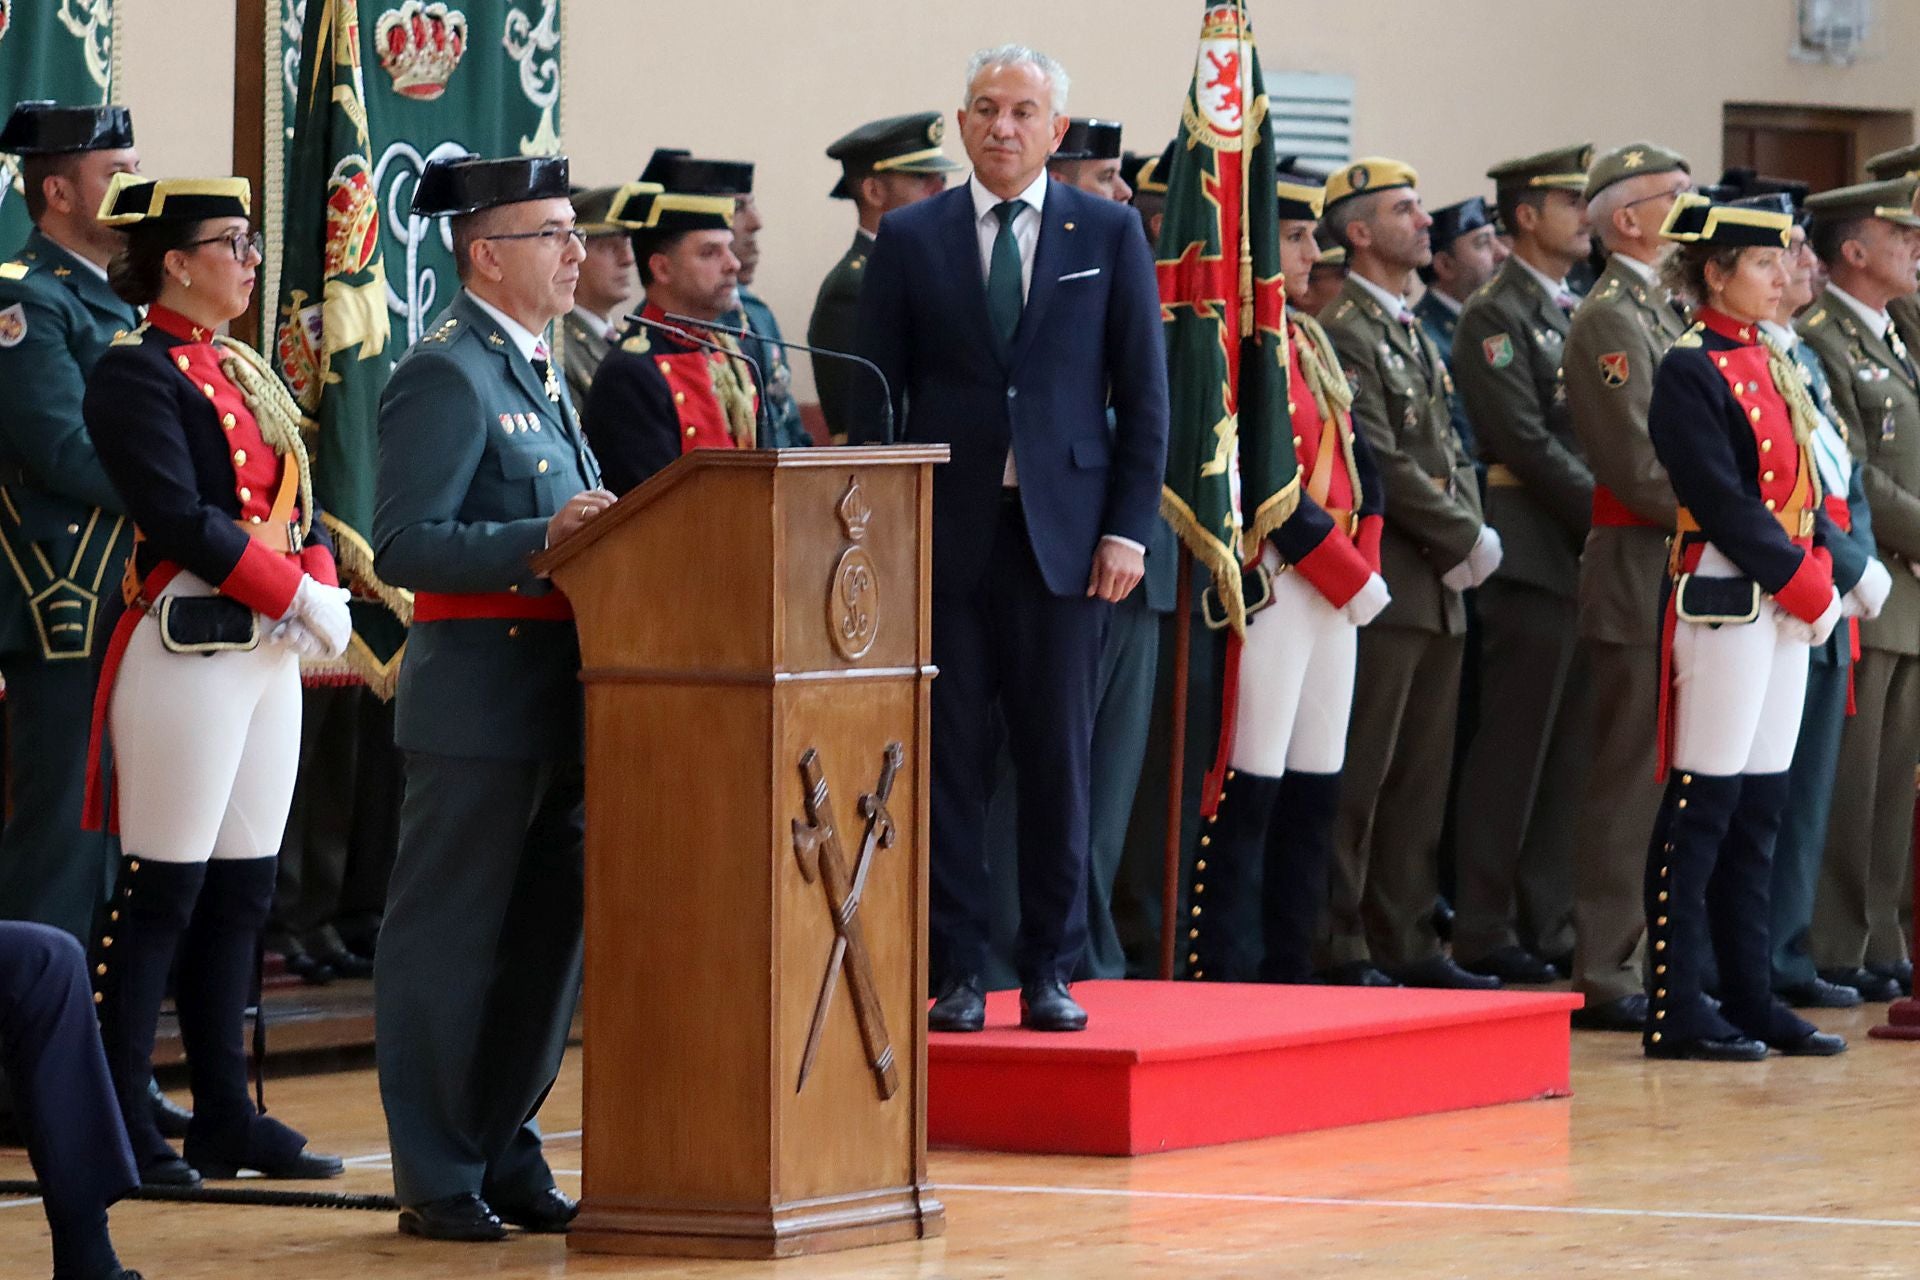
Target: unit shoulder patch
point(13, 325)
point(1614, 368)
point(1498, 350)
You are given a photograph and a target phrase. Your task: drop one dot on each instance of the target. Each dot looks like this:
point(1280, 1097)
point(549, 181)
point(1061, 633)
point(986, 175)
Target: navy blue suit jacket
point(1090, 336)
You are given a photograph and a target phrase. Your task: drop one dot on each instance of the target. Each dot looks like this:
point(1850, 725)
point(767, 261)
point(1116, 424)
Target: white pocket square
point(1088, 274)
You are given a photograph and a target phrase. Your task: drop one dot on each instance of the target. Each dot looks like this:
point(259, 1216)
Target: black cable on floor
point(262, 1198)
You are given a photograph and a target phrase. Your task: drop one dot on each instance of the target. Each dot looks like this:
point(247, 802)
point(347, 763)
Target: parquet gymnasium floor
point(1791, 1168)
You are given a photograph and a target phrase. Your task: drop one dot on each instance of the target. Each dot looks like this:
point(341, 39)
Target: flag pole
point(1176, 764)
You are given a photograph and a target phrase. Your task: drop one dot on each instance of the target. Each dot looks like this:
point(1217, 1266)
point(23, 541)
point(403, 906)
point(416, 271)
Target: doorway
point(1824, 147)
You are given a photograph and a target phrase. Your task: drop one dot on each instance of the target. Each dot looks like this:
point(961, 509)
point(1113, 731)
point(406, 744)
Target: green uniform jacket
point(1507, 355)
point(1906, 316)
point(60, 518)
point(835, 312)
point(583, 345)
point(474, 460)
point(1617, 339)
point(1440, 322)
point(782, 421)
point(1433, 502)
point(1878, 399)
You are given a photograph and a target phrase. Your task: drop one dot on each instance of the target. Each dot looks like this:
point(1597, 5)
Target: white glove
point(1869, 595)
point(1368, 601)
point(297, 636)
point(1486, 554)
point(324, 610)
point(1828, 620)
point(1458, 578)
point(1913, 567)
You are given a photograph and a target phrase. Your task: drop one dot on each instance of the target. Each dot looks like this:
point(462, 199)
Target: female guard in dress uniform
point(232, 581)
point(1264, 857)
point(1752, 590)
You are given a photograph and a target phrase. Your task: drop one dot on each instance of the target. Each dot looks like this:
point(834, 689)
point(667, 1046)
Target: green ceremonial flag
point(384, 88)
point(1231, 476)
point(58, 49)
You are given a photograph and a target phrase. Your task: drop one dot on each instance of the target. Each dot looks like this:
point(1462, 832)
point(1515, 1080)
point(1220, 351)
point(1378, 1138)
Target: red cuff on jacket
point(318, 564)
point(1335, 568)
point(1368, 540)
point(264, 580)
point(1810, 589)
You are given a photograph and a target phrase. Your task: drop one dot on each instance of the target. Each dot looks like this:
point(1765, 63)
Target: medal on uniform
point(1886, 421)
point(506, 423)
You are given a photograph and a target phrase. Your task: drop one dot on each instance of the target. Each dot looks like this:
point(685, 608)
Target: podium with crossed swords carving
point(756, 645)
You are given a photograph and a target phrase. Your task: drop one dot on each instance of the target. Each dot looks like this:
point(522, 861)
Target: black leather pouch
point(1717, 601)
point(207, 624)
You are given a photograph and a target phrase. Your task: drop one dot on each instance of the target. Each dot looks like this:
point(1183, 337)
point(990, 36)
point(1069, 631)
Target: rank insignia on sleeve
point(1498, 350)
point(13, 326)
point(1613, 368)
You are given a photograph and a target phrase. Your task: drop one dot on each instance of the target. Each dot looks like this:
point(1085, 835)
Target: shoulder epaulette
point(13, 270)
point(129, 339)
point(440, 336)
point(1612, 290)
point(638, 344)
point(1691, 338)
point(1344, 310)
point(1817, 319)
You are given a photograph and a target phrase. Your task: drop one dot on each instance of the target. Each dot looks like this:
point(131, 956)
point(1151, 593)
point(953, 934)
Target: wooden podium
point(756, 647)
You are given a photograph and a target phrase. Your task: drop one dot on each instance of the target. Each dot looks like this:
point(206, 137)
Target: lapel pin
point(1068, 226)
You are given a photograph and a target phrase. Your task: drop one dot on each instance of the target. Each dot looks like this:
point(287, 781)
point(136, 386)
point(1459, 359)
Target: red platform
point(1165, 1065)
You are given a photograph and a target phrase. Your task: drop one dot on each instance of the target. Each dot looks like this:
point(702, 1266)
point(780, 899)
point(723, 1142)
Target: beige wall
point(1450, 88)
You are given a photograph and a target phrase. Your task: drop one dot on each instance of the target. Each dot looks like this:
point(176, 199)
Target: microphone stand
point(762, 422)
point(886, 390)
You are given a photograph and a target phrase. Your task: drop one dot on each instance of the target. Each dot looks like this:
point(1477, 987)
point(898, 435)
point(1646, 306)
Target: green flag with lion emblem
point(1231, 476)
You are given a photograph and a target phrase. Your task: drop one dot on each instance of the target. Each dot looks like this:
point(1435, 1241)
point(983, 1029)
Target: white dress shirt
point(1395, 303)
point(1557, 290)
point(593, 320)
point(526, 342)
point(1878, 321)
point(1644, 270)
point(1026, 225)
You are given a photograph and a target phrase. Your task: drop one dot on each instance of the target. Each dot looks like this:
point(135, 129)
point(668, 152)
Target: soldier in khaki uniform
point(1521, 780)
point(1435, 545)
point(1615, 343)
point(1886, 167)
point(1865, 235)
point(608, 282)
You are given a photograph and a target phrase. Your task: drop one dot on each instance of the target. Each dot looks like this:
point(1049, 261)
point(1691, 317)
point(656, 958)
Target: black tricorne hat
point(680, 170)
point(43, 128)
point(1761, 222)
point(470, 183)
point(132, 199)
point(1089, 139)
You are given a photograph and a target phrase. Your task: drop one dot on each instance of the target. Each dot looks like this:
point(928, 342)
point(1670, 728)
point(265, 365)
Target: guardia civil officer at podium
point(482, 464)
point(62, 527)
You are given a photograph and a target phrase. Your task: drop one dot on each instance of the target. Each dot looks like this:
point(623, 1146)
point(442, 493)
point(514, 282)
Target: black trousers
point(1012, 642)
point(50, 1045)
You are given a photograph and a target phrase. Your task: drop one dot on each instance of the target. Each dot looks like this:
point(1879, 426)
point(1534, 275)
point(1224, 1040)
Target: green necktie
point(1004, 295)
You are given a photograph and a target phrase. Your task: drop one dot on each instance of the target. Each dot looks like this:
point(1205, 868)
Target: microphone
point(761, 421)
point(886, 391)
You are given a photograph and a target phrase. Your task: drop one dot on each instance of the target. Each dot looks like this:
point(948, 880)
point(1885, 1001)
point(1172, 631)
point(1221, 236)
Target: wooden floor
point(1790, 1168)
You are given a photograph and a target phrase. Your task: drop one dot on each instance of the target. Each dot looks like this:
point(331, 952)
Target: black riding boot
point(144, 925)
point(1299, 856)
point(1225, 893)
point(1693, 821)
point(1739, 913)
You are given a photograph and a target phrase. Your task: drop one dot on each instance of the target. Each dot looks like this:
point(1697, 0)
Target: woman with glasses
point(232, 582)
point(1752, 592)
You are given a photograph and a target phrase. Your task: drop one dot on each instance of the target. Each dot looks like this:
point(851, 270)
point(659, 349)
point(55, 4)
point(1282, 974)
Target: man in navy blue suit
point(1008, 315)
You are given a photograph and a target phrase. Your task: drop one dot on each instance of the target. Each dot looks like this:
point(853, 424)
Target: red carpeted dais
point(1164, 1065)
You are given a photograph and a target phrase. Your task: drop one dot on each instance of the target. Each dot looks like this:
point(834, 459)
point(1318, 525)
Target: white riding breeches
point(1738, 689)
point(205, 746)
point(1296, 682)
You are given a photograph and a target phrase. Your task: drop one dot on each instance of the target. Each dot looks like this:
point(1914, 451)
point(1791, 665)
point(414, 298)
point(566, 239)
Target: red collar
point(1727, 327)
point(172, 322)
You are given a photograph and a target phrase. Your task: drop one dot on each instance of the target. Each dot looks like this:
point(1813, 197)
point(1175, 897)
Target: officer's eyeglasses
point(548, 236)
point(239, 243)
point(1671, 194)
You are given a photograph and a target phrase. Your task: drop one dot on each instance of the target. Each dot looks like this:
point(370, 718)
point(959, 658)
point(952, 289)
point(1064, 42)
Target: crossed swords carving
point(816, 844)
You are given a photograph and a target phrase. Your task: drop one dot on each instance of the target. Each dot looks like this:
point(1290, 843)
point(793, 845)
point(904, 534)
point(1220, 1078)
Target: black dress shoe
point(342, 963)
point(1900, 971)
point(548, 1213)
point(305, 1166)
point(1515, 965)
point(1439, 971)
point(1814, 1044)
point(171, 1172)
point(1356, 973)
point(1727, 1049)
point(1628, 1013)
point(169, 1116)
point(1871, 986)
point(462, 1217)
point(1443, 919)
point(961, 1006)
point(1046, 1006)
point(306, 966)
point(1819, 994)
